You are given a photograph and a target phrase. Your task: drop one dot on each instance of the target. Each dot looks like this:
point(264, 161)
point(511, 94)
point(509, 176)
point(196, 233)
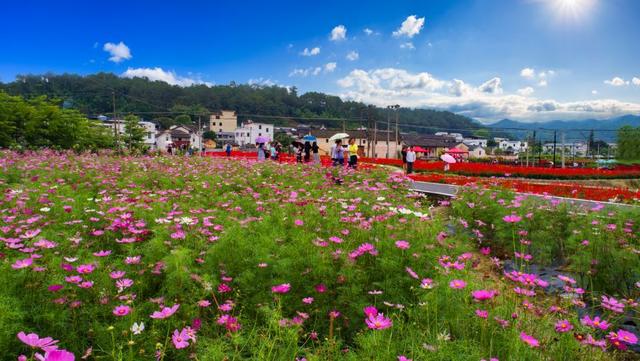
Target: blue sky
point(488, 59)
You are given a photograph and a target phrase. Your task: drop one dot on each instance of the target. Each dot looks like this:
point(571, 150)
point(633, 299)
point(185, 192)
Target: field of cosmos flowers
point(110, 257)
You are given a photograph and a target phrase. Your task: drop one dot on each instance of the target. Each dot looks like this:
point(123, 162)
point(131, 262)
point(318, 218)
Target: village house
point(477, 152)
point(150, 130)
point(475, 142)
point(435, 145)
point(249, 131)
point(512, 146)
point(224, 124)
point(572, 149)
point(179, 137)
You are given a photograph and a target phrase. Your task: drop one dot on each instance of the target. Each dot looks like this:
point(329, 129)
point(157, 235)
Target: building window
point(220, 123)
point(266, 130)
point(220, 131)
point(217, 117)
point(259, 126)
point(259, 134)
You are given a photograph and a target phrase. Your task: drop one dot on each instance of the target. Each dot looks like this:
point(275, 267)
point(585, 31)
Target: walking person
point(316, 156)
point(228, 149)
point(307, 152)
point(299, 153)
point(404, 157)
point(338, 153)
point(260, 151)
point(411, 158)
point(273, 151)
point(353, 153)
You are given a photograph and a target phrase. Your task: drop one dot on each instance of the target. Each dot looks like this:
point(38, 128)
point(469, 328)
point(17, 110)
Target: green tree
point(134, 133)
point(284, 139)
point(183, 119)
point(209, 135)
point(628, 143)
point(165, 122)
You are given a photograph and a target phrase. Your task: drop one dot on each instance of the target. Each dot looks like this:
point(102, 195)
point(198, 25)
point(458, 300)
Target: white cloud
point(408, 45)
point(338, 33)
point(594, 92)
point(528, 73)
point(635, 81)
point(306, 72)
point(410, 27)
point(525, 92)
point(262, 82)
point(353, 55)
point(330, 67)
point(158, 74)
point(310, 52)
point(486, 102)
point(118, 52)
point(542, 83)
point(368, 31)
point(616, 81)
point(492, 86)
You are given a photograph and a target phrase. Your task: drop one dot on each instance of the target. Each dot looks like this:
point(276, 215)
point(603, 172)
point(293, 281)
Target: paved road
point(451, 190)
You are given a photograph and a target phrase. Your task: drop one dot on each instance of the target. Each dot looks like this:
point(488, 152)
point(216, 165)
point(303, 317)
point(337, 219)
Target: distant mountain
point(574, 130)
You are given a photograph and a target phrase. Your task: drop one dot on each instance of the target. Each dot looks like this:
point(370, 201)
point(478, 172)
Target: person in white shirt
point(411, 158)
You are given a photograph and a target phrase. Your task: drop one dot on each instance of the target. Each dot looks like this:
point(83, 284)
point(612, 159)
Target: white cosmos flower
point(45, 209)
point(137, 328)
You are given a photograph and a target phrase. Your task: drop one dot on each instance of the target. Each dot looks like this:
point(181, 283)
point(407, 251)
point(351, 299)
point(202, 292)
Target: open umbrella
point(338, 136)
point(448, 158)
point(309, 138)
point(262, 139)
point(419, 150)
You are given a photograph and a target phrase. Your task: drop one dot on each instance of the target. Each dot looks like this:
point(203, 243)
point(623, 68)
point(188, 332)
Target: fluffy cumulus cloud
point(368, 31)
point(525, 92)
point(486, 101)
point(540, 77)
point(353, 56)
point(305, 72)
point(635, 81)
point(330, 67)
point(528, 73)
point(119, 52)
point(338, 33)
point(159, 74)
point(310, 52)
point(410, 27)
point(616, 81)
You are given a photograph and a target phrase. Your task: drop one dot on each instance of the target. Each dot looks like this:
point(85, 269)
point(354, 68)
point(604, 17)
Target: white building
point(475, 142)
point(249, 131)
point(458, 136)
point(179, 137)
point(149, 127)
point(513, 146)
point(577, 148)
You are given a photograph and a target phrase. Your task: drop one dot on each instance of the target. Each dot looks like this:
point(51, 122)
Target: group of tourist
point(305, 151)
point(270, 150)
point(340, 152)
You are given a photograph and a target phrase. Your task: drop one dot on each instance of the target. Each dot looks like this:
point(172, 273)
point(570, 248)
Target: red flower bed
point(570, 190)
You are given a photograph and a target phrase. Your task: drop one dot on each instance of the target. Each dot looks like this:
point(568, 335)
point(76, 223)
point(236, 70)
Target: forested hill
point(92, 95)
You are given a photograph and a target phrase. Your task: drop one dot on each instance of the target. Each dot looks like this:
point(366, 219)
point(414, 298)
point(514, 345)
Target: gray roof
point(429, 140)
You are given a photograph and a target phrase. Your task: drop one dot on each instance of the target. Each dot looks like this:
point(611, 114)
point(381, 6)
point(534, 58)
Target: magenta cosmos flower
point(512, 218)
point(22, 263)
point(282, 288)
point(378, 322)
point(529, 340)
point(33, 340)
point(121, 310)
point(457, 284)
point(180, 339)
point(483, 295)
point(403, 244)
point(165, 312)
point(563, 326)
point(57, 355)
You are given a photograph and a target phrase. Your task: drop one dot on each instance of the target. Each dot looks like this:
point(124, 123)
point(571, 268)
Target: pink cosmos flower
point(204, 303)
point(370, 311)
point(457, 284)
point(403, 358)
point(165, 312)
point(485, 251)
point(102, 253)
point(412, 273)
point(321, 288)
point(624, 336)
point(426, 283)
point(34, 341)
point(282, 288)
point(482, 314)
point(563, 326)
point(596, 322)
point(307, 300)
point(180, 339)
point(612, 304)
point(117, 274)
point(299, 222)
point(22, 263)
point(483, 295)
point(378, 322)
point(85, 268)
point(512, 218)
point(56, 355)
point(121, 310)
point(334, 314)
point(402, 245)
point(529, 340)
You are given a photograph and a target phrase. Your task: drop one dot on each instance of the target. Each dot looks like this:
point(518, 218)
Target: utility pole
point(200, 133)
point(388, 128)
point(562, 137)
point(375, 138)
point(397, 129)
point(115, 121)
point(554, 148)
